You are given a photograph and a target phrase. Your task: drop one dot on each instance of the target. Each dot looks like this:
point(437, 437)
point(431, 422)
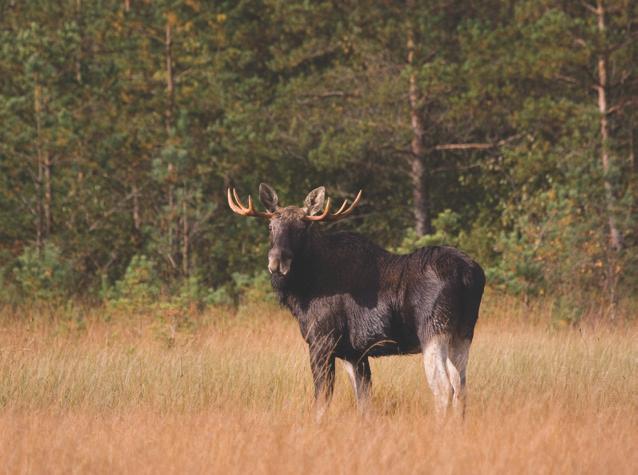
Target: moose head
point(289, 224)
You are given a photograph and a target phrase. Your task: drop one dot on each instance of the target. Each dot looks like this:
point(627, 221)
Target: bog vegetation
point(231, 393)
point(506, 128)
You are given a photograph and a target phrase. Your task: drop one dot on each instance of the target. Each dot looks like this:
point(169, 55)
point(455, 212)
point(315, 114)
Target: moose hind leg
point(435, 354)
point(359, 373)
point(458, 353)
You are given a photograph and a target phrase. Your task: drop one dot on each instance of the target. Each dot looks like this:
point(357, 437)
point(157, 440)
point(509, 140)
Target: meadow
point(230, 392)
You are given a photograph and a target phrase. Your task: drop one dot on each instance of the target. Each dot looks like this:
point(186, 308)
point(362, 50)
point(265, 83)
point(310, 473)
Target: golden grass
point(232, 395)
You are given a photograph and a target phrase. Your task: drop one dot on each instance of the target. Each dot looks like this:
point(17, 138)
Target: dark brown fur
point(354, 300)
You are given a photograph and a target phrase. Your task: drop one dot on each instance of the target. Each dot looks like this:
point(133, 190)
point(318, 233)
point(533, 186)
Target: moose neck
point(308, 265)
point(327, 264)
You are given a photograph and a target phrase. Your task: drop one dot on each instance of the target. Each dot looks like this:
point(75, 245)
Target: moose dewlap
point(354, 300)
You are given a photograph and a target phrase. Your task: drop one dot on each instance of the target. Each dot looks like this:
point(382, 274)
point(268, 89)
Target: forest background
point(506, 128)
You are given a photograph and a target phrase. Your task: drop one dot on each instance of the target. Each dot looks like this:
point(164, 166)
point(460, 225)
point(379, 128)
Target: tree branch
point(475, 145)
point(465, 146)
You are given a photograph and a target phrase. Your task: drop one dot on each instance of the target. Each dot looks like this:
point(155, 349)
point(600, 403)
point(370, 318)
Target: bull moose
point(354, 300)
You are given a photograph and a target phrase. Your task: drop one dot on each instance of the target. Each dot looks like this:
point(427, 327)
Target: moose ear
point(313, 204)
point(268, 197)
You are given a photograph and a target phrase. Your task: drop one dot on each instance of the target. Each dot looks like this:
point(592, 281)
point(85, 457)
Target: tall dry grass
point(232, 394)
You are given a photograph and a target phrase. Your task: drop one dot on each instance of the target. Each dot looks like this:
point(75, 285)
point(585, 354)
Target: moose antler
point(238, 207)
point(341, 212)
point(319, 217)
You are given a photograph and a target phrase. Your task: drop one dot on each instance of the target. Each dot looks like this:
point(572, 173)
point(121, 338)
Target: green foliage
point(138, 288)
point(518, 270)
point(43, 275)
point(567, 310)
point(447, 225)
point(253, 288)
point(193, 292)
point(220, 296)
point(103, 155)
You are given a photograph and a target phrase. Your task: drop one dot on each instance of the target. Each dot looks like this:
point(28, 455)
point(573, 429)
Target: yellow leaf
point(194, 4)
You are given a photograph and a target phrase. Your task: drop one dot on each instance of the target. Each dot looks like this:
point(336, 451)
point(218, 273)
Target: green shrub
point(193, 292)
point(447, 225)
point(43, 276)
point(253, 288)
point(8, 289)
point(139, 287)
point(567, 310)
point(221, 296)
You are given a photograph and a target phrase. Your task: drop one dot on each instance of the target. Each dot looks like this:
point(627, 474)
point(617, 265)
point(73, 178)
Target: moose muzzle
point(279, 262)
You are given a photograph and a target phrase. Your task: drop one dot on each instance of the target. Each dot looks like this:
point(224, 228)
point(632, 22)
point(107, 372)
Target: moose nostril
point(284, 266)
point(273, 264)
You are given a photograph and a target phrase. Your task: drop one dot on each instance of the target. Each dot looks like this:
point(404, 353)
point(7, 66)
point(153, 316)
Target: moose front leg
point(322, 364)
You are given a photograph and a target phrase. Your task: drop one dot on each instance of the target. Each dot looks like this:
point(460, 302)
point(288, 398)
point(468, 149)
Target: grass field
point(232, 394)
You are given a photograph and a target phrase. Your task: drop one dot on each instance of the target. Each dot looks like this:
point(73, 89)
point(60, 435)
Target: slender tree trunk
point(185, 237)
point(170, 96)
point(137, 221)
point(419, 171)
point(171, 215)
point(127, 5)
point(615, 237)
point(633, 145)
point(78, 58)
point(44, 194)
point(39, 206)
point(170, 77)
point(48, 196)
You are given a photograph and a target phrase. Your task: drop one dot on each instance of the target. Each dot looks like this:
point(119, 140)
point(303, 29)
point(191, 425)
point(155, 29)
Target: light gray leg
point(435, 353)
point(456, 363)
point(360, 377)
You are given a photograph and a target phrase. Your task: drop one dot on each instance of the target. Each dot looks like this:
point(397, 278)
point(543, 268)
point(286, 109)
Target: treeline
point(508, 128)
